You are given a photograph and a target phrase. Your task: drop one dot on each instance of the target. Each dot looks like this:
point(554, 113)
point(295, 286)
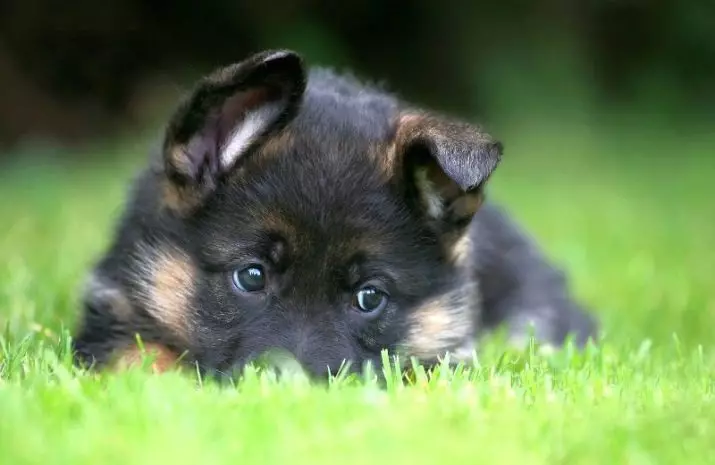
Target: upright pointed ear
point(445, 165)
point(227, 112)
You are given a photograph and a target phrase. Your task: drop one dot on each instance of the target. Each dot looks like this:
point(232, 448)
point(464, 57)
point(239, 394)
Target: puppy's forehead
point(340, 119)
point(317, 216)
point(332, 152)
point(347, 106)
point(325, 196)
point(320, 182)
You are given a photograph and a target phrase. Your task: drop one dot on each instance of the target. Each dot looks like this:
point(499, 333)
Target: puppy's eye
point(249, 279)
point(370, 300)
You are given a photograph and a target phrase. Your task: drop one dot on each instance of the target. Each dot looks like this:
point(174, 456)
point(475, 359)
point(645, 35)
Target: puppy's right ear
point(223, 117)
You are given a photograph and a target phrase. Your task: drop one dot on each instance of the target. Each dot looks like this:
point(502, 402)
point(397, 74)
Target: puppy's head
point(313, 214)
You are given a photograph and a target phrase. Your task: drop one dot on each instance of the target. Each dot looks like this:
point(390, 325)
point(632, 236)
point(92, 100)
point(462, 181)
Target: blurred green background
point(606, 110)
point(76, 71)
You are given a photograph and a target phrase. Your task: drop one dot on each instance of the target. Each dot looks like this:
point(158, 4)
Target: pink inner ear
point(202, 153)
point(235, 109)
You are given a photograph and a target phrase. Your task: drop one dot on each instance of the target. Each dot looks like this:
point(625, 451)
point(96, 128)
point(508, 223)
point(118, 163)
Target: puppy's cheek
point(438, 327)
point(159, 358)
point(166, 282)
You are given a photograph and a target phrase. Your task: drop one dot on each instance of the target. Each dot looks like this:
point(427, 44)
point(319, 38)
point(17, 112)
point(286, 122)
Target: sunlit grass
point(630, 218)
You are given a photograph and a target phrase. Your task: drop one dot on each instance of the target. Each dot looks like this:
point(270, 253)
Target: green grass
point(630, 217)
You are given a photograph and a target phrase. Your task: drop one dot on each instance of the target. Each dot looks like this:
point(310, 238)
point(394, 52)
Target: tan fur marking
point(162, 358)
point(437, 190)
point(278, 144)
point(461, 249)
point(172, 289)
point(432, 199)
point(447, 188)
point(179, 159)
point(272, 220)
point(465, 206)
point(387, 155)
point(441, 325)
point(384, 157)
point(171, 198)
point(434, 320)
point(407, 128)
point(181, 200)
point(165, 281)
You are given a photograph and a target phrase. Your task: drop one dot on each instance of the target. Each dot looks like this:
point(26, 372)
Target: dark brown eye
point(249, 279)
point(370, 300)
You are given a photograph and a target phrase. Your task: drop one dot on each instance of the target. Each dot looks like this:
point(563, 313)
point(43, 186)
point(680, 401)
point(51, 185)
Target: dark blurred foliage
point(72, 70)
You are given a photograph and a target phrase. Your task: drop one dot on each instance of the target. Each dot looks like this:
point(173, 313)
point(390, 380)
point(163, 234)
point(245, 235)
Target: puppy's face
point(315, 216)
point(311, 251)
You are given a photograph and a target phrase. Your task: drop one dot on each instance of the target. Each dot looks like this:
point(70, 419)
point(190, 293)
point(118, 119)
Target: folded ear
point(227, 112)
point(445, 165)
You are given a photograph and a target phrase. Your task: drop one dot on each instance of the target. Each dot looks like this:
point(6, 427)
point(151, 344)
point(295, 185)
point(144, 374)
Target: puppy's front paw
point(162, 358)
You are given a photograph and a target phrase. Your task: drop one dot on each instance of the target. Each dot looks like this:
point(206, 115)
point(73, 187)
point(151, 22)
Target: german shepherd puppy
point(305, 211)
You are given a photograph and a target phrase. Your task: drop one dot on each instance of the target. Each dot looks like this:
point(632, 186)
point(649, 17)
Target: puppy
point(305, 211)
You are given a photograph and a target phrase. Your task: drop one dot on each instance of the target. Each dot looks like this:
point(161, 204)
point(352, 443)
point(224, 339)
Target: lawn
point(630, 217)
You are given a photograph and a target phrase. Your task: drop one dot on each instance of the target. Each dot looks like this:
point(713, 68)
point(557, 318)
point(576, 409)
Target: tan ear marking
point(180, 160)
point(227, 113)
point(432, 199)
point(467, 205)
point(461, 249)
point(449, 161)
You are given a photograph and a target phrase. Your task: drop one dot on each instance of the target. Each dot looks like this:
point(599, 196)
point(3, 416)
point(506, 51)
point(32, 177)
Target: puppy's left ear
point(445, 164)
point(225, 115)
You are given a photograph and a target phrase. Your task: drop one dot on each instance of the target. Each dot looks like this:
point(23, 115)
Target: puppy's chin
point(278, 364)
point(282, 364)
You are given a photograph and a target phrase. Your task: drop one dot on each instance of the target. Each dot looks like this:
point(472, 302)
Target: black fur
point(322, 217)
